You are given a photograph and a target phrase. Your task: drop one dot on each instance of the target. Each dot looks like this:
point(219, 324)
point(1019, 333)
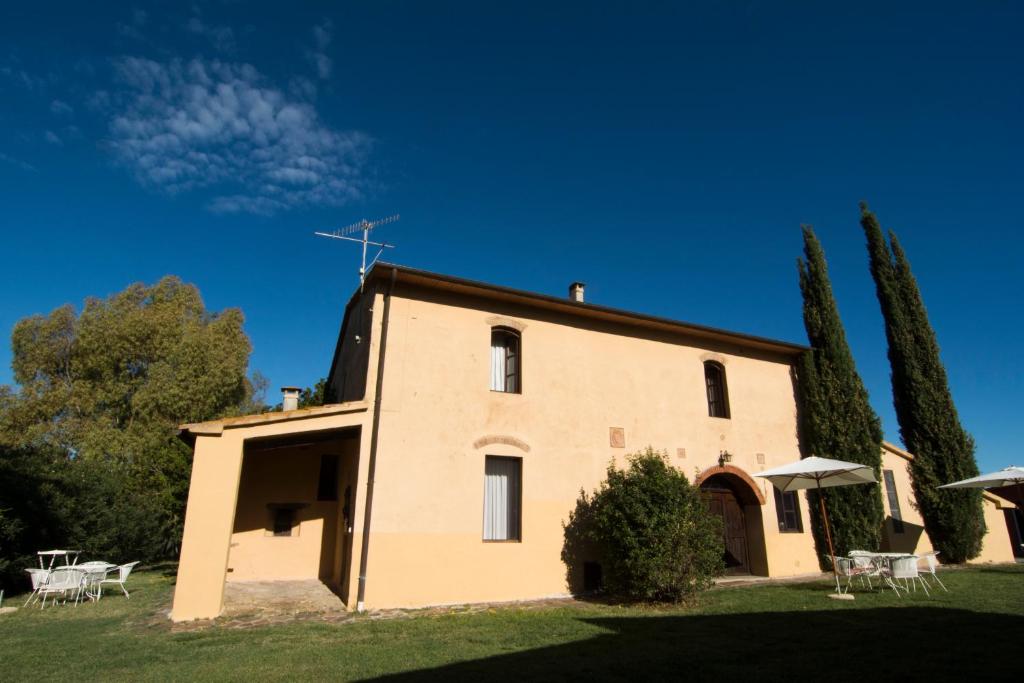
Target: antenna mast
point(365, 226)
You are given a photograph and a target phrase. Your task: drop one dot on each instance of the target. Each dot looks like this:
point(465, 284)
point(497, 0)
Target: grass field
point(750, 633)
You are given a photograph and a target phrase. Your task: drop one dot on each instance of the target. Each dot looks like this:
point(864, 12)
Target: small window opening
point(787, 508)
point(894, 501)
point(718, 393)
point(284, 521)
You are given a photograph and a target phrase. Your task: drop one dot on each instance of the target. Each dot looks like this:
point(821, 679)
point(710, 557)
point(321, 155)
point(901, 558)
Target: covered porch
point(273, 499)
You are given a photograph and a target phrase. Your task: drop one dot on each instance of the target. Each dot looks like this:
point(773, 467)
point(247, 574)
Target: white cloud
point(129, 31)
point(238, 203)
point(132, 30)
point(13, 161)
point(25, 79)
point(222, 37)
point(210, 124)
point(52, 138)
point(322, 36)
point(60, 108)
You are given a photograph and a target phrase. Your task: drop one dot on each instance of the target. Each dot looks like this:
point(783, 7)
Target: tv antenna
point(365, 226)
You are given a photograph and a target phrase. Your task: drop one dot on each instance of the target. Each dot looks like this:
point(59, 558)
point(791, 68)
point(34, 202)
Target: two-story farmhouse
point(463, 420)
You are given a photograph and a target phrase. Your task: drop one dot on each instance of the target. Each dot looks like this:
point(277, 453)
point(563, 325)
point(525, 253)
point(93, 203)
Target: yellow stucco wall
point(289, 476)
point(209, 516)
point(995, 545)
point(913, 539)
point(438, 422)
point(211, 511)
point(578, 381)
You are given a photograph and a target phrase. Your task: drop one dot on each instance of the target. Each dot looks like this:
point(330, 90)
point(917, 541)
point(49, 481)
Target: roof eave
point(426, 278)
point(189, 432)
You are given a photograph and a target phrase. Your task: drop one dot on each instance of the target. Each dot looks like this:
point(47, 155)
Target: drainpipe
point(374, 435)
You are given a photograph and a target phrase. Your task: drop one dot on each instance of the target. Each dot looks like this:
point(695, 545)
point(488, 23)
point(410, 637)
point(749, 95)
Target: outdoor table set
point(898, 571)
point(70, 580)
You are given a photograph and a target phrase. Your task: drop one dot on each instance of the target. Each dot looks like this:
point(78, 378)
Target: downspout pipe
point(374, 439)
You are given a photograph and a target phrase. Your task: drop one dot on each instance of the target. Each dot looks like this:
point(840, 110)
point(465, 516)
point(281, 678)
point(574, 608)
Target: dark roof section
point(425, 278)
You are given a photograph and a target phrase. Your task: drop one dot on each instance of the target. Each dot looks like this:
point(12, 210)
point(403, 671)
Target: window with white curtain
point(505, 360)
point(502, 495)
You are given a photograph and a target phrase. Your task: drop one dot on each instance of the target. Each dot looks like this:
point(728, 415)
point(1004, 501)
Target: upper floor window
point(718, 393)
point(506, 360)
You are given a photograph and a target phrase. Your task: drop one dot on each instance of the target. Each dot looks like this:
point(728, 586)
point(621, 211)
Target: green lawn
point(763, 632)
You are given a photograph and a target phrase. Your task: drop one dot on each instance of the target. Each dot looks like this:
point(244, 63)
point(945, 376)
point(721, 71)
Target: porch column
point(209, 520)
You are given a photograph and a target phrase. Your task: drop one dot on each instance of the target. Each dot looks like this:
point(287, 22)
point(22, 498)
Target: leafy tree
point(32, 510)
point(929, 423)
point(310, 397)
point(101, 394)
point(652, 531)
point(836, 419)
point(315, 396)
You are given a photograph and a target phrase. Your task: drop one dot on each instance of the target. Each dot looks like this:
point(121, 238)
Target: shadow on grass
point(866, 644)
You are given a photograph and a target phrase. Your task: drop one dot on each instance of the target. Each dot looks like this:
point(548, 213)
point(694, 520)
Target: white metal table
point(95, 572)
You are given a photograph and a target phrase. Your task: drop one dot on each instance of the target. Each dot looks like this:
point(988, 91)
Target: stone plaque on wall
point(617, 437)
point(681, 453)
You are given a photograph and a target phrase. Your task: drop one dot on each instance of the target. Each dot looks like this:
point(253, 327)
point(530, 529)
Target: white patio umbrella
point(1008, 476)
point(820, 473)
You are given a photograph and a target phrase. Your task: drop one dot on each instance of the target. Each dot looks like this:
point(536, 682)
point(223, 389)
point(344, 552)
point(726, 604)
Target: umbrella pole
point(828, 537)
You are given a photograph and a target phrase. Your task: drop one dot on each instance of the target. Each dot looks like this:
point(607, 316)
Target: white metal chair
point(932, 561)
point(905, 569)
point(122, 575)
point(66, 582)
point(885, 573)
point(866, 568)
point(847, 568)
point(38, 577)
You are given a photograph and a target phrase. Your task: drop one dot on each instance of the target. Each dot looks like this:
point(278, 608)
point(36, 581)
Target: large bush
point(650, 530)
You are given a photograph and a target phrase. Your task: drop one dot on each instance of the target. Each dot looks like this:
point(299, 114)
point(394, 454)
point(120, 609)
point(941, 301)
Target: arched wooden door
point(723, 502)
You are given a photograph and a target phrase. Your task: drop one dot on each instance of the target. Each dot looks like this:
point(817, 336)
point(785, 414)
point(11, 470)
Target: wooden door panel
point(734, 529)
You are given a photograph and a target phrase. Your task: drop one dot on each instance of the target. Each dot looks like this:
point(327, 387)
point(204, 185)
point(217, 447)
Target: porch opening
point(293, 519)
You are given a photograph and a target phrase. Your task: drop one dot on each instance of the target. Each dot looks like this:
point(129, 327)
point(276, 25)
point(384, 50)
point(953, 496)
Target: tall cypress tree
point(836, 419)
point(929, 424)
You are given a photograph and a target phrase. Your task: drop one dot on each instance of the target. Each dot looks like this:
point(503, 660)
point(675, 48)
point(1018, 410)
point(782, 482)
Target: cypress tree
point(929, 424)
point(836, 419)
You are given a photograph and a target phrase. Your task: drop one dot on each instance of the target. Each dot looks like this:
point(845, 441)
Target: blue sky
point(666, 155)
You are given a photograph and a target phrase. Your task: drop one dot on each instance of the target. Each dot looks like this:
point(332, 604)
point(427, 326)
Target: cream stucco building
point(464, 419)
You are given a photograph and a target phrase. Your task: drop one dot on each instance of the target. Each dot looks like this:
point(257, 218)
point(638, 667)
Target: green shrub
point(651, 531)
